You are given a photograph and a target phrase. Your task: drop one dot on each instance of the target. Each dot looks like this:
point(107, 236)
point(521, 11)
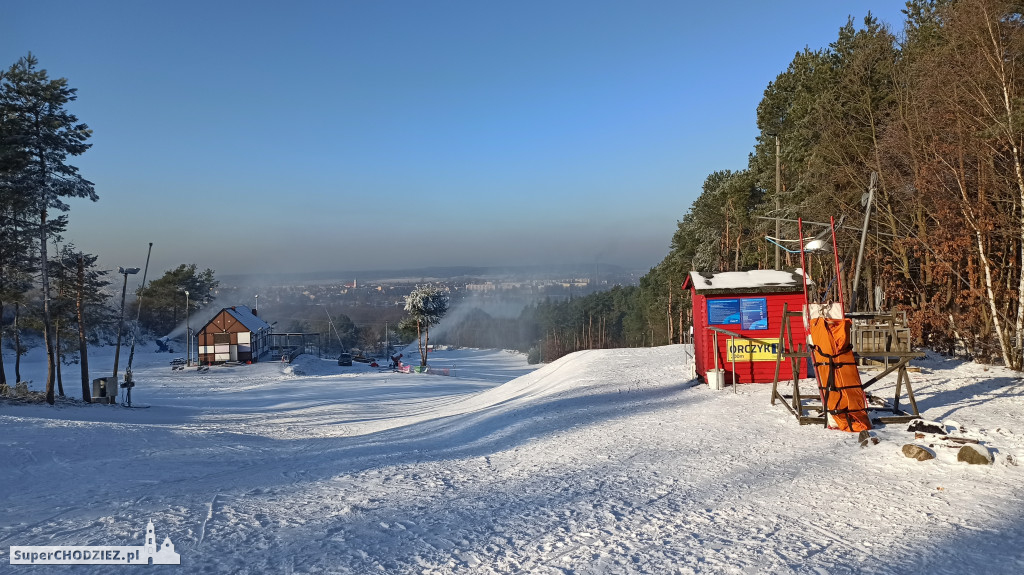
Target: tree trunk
point(3, 372)
point(426, 345)
point(739, 234)
point(870, 287)
point(17, 344)
point(927, 265)
point(47, 322)
point(590, 332)
point(671, 327)
point(419, 341)
point(682, 332)
point(723, 255)
point(59, 356)
point(987, 269)
point(1006, 81)
point(997, 325)
point(83, 348)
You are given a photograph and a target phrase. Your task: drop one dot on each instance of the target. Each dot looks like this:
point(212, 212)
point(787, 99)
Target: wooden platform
point(803, 406)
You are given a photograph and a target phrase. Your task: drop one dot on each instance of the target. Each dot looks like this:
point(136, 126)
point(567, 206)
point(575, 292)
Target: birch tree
point(970, 83)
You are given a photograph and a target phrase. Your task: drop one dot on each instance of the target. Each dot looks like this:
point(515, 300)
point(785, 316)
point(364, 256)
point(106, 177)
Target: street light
point(188, 335)
point(120, 325)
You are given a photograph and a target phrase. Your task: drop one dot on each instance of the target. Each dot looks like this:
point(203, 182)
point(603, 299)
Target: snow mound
point(583, 388)
point(587, 376)
point(605, 461)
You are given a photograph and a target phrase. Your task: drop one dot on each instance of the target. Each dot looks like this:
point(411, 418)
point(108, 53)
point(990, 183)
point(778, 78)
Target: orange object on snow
point(838, 379)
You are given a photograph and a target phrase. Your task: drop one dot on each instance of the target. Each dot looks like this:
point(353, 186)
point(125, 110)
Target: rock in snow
point(974, 454)
point(918, 452)
point(866, 438)
point(922, 426)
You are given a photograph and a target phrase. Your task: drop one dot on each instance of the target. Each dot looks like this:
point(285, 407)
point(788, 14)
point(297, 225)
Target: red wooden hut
point(745, 308)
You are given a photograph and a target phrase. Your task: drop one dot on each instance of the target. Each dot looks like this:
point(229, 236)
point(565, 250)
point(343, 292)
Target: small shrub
point(533, 356)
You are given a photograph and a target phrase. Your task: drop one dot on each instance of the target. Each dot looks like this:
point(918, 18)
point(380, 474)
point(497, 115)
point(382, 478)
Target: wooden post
point(910, 392)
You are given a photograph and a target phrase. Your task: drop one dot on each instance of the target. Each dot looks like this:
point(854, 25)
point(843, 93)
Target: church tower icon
point(165, 555)
point(150, 540)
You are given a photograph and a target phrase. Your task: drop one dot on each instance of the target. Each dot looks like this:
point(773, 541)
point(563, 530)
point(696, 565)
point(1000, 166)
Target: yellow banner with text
point(760, 349)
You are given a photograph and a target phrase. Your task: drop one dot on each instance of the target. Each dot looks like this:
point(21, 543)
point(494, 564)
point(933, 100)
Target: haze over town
point(367, 136)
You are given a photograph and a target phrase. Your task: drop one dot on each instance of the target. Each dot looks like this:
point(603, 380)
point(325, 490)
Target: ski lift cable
point(777, 241)
point(774, 239)
point(838, 225)
point(906, 228)
point(782, 247)
point(910, 233)
point(330, 323)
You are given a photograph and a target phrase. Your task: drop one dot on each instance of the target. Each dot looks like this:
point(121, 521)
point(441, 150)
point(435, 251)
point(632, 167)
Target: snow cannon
point(163, 344)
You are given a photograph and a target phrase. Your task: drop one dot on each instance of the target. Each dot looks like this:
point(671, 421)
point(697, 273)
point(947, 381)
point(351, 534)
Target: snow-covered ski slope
point(605, 461)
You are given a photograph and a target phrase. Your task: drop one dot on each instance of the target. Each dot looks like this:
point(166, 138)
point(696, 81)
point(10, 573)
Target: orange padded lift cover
point(838, 378)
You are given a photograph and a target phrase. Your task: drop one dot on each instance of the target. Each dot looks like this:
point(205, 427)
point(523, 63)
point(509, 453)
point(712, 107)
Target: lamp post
point(120, 325)
point(260, 336)
point(188, 335)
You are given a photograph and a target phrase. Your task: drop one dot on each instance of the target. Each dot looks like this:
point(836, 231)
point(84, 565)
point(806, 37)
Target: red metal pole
point(839, 276)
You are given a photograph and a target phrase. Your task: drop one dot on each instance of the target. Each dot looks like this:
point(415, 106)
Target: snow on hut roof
point(245, 317)
point(753, 281)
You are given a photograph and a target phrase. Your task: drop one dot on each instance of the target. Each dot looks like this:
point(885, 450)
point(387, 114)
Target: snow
point(780, 280)
point(605, 461)
point(244, 315)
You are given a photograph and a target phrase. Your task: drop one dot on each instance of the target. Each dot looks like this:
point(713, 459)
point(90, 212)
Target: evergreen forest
point(935, 109)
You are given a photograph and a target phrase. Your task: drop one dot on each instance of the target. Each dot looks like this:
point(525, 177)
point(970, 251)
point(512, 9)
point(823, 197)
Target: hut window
point(221, 338)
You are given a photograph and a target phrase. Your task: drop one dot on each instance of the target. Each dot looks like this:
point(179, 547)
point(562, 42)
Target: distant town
point(389, 289)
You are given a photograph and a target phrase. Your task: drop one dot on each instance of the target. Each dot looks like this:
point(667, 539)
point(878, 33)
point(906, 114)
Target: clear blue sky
point(304, 136)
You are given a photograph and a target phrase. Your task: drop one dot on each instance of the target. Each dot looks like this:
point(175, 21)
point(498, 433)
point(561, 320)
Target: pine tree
point(16, 238)
point(426, 306)
point(80, 303)
point(44, 134)
point(165, 298)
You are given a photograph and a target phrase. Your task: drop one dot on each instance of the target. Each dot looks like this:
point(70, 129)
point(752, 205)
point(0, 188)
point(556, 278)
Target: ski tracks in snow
point(604, 462)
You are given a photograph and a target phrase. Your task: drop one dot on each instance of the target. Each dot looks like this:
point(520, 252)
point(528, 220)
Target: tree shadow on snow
point(946, 402)
point(713, 509)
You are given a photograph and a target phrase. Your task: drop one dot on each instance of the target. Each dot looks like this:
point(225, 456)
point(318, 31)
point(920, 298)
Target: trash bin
point(715, 379)
point(103, 390)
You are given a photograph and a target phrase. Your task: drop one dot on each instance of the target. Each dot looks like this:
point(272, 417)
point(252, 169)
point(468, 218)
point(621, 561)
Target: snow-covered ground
point(606, 461)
